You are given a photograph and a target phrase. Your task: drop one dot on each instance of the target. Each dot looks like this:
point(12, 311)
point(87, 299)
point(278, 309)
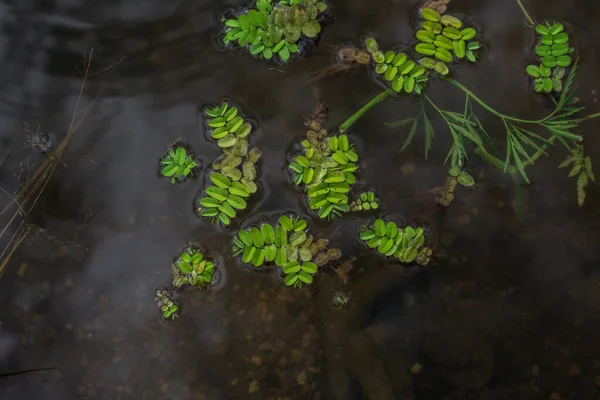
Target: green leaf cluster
point(327, 170)
point(228, 128)
point(233, 180)
point(177, 164)
point(274, 28)
point(444, 38)
point(167, 306)
point(366, 201)
point(582, 169)
point(555, 55)
point(406, 244)
point(192, 268)
point(288, 245)
point(400, 72)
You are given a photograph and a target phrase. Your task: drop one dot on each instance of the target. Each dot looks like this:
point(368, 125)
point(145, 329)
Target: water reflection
point(511, 310)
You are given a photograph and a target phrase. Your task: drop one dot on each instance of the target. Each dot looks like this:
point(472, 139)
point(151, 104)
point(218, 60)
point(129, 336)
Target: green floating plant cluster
point(443, 38)
point(407, 245)
point(235, 170)
point(192, 268)
point(554, 52)
point(366, 201)
point(327, 169)
point(167, 306)
point(288, 245)
point(401, 73)
point(275, 28)
point(178, 165)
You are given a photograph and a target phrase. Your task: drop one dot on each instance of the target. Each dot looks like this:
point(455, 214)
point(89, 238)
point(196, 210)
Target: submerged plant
point(554, 52)
point(167, 306)
point(366, 201)
point(233, 180)
point(192, 268)
point(178, 164)
point(287, 245)
point(582, 168)
point(406, 244)
point(445, 38)
point(274, 28)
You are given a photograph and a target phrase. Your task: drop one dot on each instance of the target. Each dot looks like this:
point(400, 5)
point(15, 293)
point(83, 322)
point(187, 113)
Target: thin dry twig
point(34, 187)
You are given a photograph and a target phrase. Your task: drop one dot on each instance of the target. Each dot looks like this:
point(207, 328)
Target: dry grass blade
point(34, 187)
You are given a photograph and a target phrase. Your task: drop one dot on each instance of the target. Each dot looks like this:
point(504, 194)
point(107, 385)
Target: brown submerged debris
point(438, 5)
point(343, 270)
point(347, 58)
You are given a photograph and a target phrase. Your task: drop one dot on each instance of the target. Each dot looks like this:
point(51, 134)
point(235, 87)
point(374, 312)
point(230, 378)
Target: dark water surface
point(510, 312)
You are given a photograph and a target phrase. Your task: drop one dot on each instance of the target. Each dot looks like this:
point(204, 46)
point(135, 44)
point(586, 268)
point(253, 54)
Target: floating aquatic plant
point(274, 28)
point(366, 201)
point(455, 176)
point(233, 180)
point(445, 38)
point(341, 298)
point(400, 72)
point(326, 169)
point(192, 268)
point(167, 306)
point(177, 164)
point(406, 244)
point(554, 52)
point(288, 245)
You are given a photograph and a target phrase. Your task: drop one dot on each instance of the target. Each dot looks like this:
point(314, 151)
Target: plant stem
point(496, 113)
point(480, 150)
point(356, 116)
point(591, 116)
point(526, 13)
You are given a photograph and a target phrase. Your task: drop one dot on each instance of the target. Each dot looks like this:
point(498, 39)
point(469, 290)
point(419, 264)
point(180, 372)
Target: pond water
point(510, 311)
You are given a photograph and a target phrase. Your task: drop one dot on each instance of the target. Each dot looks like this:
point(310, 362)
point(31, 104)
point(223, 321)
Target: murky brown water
point(511, 312)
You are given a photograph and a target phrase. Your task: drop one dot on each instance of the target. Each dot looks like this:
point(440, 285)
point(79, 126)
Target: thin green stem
point(496, 113)
point(526, 13)
point(356, 116)
point(480, 150)
point(591, 116)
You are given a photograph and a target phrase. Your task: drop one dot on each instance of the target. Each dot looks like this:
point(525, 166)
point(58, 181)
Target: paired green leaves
point(443, 39)
point(192, 268)
point(366, 201)
point(406, 244)
point(288, 245)
point(326, 170)
point(555, 54)
point(165, 304)
point(275, 29)
point(400, 73)
point(178, 164)
point(235, 170)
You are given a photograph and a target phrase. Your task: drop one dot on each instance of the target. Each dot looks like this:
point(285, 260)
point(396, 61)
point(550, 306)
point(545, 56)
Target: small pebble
point(535, 371)
point(416, 368)
point(256, 360)
point(301, 378)
point(574, 370)
point(254, 387)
